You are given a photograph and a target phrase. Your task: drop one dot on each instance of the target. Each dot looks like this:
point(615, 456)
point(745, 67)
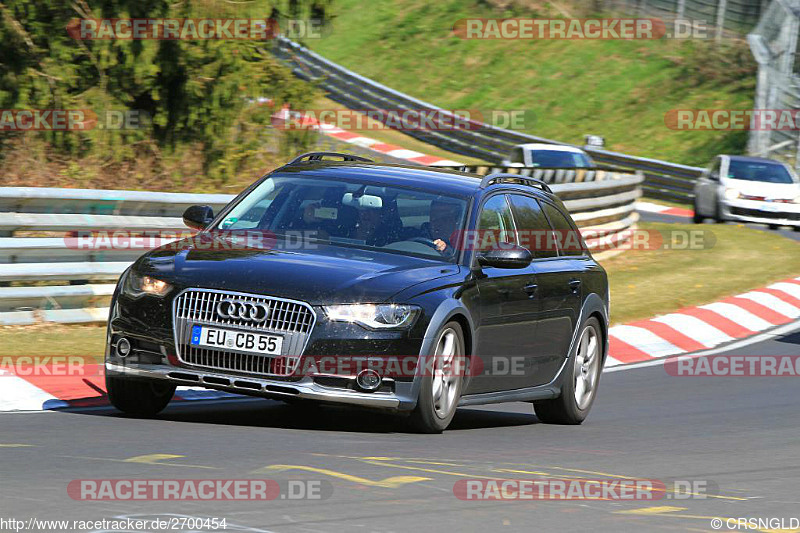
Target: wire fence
point(739, 16)
point(774, 45)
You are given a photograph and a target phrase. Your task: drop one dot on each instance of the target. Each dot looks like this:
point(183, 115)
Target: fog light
point(368, 380)
point(123, 347)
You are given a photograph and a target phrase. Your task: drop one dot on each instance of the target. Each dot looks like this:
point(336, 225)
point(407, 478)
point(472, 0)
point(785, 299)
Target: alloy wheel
point(587, 366)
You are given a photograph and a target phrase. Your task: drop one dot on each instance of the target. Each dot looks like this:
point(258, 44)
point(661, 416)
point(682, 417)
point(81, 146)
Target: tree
point(185, 93)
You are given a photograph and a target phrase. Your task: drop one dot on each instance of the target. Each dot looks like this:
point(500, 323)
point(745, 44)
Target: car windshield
point(351, 213)
point(759, 171)
point(558, 159)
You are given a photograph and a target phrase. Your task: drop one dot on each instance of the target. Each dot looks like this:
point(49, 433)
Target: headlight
point(374, 316)
point(731, 194)
point(139, 285)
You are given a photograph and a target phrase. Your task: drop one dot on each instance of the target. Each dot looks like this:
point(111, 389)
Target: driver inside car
point(444, 217)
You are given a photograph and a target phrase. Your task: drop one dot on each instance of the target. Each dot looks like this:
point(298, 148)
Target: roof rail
point(317, 156)
point(498, 176)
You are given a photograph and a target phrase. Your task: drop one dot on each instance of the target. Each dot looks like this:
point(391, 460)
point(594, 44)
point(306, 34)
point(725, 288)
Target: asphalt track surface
point(741, 436)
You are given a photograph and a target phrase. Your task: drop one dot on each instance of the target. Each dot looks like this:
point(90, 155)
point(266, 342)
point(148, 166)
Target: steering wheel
point(426, 241)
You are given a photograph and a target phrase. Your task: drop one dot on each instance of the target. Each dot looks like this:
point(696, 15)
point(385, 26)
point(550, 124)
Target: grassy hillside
point(619, 89)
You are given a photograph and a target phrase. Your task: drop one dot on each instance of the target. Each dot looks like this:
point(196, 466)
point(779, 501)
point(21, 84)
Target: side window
point(533, 230)
point(495, 226)
point(569, 239)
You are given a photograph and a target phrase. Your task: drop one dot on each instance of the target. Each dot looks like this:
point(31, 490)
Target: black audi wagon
point(404, 288)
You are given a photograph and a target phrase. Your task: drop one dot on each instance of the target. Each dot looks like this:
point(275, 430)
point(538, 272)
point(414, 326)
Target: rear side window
point(569, 239)
point(533, 230)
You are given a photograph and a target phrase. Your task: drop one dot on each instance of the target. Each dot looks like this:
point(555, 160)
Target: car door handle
point(574, 284)
point(531, 288)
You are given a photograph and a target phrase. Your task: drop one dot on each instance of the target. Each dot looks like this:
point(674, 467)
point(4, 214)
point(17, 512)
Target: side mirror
point(198, 216)
point(714, 176)
point(510, 257)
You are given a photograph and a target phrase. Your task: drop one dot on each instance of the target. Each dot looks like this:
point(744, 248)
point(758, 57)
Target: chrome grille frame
point(292, 320)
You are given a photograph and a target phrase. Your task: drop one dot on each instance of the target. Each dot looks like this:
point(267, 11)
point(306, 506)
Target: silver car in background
point(541, 155)
point(748, 189)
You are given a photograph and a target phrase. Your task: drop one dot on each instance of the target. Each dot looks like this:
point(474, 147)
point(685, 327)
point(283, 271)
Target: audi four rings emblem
point(242, 310)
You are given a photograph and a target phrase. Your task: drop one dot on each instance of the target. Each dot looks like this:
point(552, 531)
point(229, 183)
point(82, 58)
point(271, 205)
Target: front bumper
point(306, 388)
point(147, 324)
point(780, 214)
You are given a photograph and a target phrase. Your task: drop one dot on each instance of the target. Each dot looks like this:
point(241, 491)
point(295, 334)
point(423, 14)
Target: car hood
point(323, 275)
point(778, 191)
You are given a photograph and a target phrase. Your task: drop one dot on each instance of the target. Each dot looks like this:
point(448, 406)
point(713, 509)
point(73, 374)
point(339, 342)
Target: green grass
point(649, 283)
point(52, 339)
point(643, 284)
point(618, 89)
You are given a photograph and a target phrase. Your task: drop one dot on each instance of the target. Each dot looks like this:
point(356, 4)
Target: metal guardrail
point(663, 179)
point(103, 202)
point(604, 207)
point(548, 175)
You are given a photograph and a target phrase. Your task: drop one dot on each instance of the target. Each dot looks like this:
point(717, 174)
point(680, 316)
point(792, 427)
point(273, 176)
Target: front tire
point(580, 381)
point(139, 398)
point(441, 382)
point(697, 218)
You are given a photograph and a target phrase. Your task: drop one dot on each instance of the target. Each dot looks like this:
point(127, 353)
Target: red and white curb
point(39, 390)
point(706, 326)
point(369, 143)
point(687, 330)
point(649, 207)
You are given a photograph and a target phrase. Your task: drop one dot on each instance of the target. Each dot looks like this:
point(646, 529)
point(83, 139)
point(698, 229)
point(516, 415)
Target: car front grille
point(755, 213)
point(289, 319)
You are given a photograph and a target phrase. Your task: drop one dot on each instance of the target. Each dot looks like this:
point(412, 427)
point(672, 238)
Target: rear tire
point(582, 375)
point(441, 385)
point(139, 398)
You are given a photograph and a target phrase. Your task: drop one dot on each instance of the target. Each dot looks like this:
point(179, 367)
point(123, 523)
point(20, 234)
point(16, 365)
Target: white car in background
point(748, 189)
point(548, 156)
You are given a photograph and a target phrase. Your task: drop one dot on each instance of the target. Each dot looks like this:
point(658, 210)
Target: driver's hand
point(440, 245)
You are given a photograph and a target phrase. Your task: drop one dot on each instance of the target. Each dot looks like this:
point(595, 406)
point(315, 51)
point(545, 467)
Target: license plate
point(242, 341)
point(770, 207)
